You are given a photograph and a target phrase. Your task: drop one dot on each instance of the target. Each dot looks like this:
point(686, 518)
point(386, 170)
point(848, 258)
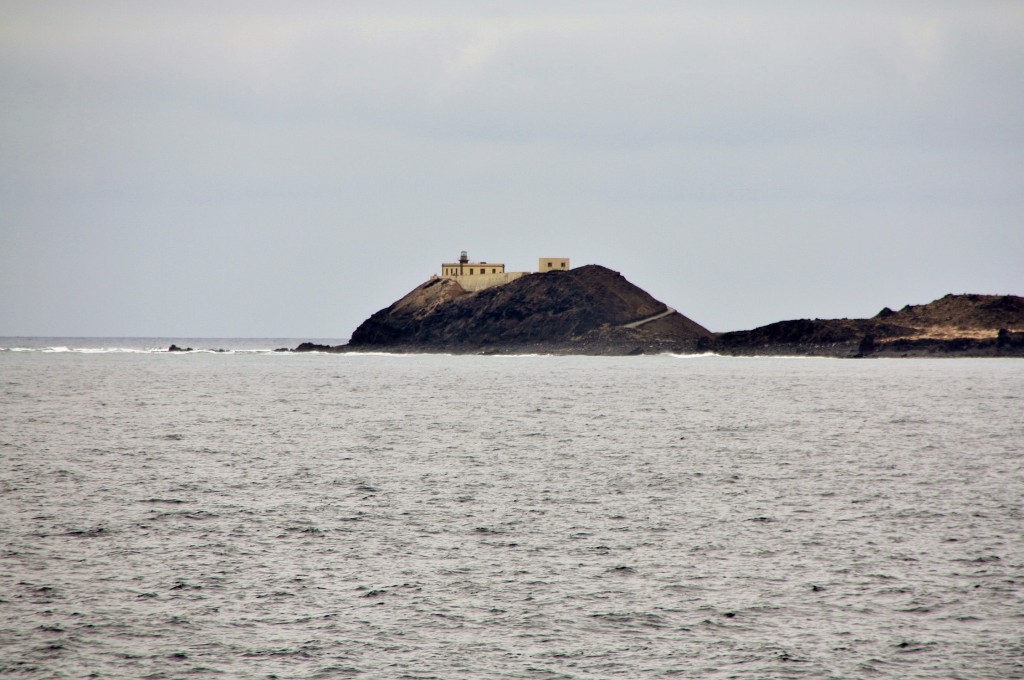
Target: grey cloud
point(767, 148)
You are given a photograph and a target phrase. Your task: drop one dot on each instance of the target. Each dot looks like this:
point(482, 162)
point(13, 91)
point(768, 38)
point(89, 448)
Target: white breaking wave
point(76, 345)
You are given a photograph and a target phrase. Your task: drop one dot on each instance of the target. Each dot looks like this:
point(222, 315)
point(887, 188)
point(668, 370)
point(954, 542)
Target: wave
point(148, 345)
point(707, 355)
point(133, 350)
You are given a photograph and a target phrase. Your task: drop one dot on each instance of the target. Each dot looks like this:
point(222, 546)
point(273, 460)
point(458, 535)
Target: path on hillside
point(641, 322)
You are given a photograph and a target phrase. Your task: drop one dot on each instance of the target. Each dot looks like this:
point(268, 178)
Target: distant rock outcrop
point(594, 310)
point(583, 311)
point(961, 313)
point(957, 325)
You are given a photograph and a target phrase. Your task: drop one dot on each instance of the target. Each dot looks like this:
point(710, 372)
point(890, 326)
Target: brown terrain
point(594, 310)
point(585, 310)
point(955, 325)
point(959, 316)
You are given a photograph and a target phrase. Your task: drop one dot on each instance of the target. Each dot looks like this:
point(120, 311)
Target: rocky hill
point(594, 310)
point(587, 310)
point(955, 325)
point(957, 314)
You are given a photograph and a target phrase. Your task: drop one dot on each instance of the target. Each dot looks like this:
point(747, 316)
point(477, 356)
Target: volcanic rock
point(962, 312)
point(594, 310)
point(581, 311)
point(955, 325)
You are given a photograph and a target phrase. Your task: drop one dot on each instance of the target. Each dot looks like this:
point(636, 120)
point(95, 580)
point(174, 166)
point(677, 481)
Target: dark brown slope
point(587, 311)
point(955, 313)
point(578, 311)
point(955, 325)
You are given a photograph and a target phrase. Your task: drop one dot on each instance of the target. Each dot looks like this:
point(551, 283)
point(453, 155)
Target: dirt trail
point(641, 322)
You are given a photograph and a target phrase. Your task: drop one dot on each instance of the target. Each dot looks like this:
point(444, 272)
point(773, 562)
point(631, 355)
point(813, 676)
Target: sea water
point(255, 514)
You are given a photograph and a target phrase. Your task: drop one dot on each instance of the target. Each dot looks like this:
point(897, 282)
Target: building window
point(563, 265)
point(470, 271)
point(549, 265)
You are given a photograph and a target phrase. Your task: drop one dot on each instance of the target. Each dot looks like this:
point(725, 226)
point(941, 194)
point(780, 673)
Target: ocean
point(246, 513)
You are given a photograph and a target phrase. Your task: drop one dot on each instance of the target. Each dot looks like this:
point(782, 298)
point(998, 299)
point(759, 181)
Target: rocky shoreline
point(900, 348)
point(897, 348)
point(592, 310)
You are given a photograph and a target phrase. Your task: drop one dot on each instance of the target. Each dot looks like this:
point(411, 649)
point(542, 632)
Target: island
point(480, 308)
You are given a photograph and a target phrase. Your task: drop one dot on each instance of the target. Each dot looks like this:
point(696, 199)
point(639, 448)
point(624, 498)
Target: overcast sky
point(286, 169)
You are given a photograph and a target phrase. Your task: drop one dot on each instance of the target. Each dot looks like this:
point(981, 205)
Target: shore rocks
point(580, 311)
point(594, 310)
point(954, 325)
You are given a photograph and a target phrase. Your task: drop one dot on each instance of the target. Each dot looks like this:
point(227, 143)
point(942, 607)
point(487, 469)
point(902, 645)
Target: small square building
point(552, 264)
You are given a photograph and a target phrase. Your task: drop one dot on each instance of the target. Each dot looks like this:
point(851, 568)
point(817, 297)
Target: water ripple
point(551, 517)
